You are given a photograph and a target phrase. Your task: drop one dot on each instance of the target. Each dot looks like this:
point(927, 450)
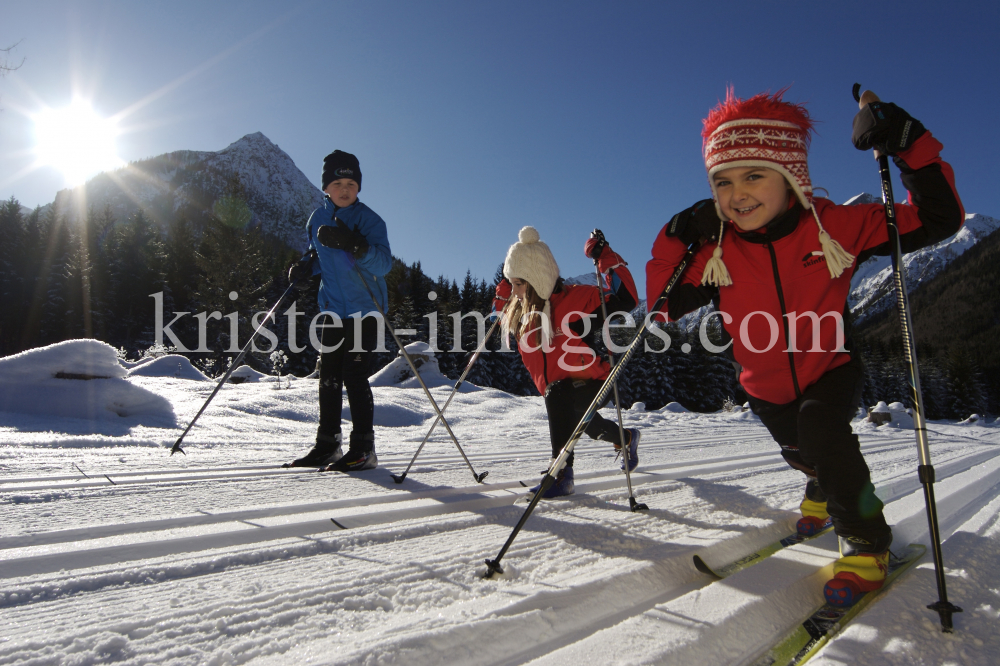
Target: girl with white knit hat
point(554, 323)
point(777, 262)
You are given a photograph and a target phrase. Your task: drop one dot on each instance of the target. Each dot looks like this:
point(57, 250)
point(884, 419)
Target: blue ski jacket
point(341, 290)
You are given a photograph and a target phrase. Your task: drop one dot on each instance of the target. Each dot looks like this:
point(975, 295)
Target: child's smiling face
point(751, 196)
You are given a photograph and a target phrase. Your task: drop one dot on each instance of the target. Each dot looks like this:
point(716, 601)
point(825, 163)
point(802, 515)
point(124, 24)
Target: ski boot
point(327, 450)
point(862, 567)
point(360, 456)
point(814, 518)
point(562, 487)
point(633, 449)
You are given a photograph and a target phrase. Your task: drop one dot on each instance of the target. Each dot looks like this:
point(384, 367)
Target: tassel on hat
point(716, 273)
point(837, 258)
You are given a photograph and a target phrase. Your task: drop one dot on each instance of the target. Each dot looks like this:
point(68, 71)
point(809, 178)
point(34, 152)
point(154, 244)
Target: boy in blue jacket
point(346, 237)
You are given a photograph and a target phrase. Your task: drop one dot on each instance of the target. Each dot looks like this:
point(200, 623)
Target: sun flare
point(76, 141)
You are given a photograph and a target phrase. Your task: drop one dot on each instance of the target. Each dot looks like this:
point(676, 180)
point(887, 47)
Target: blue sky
point(472, 119)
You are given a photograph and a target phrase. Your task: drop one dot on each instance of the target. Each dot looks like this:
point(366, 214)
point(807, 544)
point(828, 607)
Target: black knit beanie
point(339, 164)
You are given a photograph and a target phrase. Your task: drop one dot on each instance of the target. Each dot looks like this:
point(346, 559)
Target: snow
point(113, 551)
point(245, 373)
point(171, 365)
point(398, 372)
point(80, 380)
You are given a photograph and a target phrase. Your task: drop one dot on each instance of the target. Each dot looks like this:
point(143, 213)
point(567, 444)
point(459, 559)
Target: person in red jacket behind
point(554, 323)
point(778, 265)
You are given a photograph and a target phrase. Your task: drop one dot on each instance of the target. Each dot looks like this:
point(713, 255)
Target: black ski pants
point(566, 402)
point(815, 436)
point(348, 368)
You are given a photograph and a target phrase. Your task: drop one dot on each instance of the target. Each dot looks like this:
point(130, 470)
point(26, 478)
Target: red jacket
point(570, 355)
point(779, 270)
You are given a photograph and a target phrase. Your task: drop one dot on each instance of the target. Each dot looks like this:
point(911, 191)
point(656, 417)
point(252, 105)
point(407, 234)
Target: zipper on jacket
point(545, 366)
point(784, 318)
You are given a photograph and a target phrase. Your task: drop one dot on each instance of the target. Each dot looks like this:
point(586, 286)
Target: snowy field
point(113, 551)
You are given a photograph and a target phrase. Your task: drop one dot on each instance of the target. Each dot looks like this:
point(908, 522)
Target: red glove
point(503, 292)
point(608, 258)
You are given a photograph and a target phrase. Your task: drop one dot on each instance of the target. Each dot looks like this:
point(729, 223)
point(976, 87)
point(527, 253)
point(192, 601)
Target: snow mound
point(399, 374)
point(135, 364)
point(674, 407)
point(78, 379)
point(71, 359)
point(244, 374)
point(894, 415)
point(171, 365)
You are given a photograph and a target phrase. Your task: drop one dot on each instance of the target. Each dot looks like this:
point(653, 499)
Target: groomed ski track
point(186, 560)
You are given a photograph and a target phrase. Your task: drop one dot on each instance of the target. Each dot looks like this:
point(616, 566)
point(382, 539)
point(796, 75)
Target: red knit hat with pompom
point(762, 131)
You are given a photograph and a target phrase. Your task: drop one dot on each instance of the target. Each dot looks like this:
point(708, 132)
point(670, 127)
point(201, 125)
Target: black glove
point(301, 270)
point(595, 246)
point(886, 128)
point(342, 237)
point(697, 222)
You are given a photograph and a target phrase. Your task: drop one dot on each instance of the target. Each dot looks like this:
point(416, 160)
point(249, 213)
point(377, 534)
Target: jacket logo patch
point(813, 258)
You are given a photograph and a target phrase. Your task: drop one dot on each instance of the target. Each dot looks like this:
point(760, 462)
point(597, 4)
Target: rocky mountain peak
point(279, 195)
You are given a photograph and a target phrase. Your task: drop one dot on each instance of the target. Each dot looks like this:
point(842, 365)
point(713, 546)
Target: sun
point(76, 141)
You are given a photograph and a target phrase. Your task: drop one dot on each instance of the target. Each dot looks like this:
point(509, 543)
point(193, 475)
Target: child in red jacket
point(778, 265)
point(553, 323)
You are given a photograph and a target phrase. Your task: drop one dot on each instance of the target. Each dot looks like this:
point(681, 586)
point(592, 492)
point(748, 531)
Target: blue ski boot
point(562, 487)
point(633, 449)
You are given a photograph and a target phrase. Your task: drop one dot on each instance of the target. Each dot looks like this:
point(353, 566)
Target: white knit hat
point(531, 260)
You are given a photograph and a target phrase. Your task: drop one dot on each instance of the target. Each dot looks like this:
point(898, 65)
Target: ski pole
point(402, 350)
point(632, 503)
point(399, 478)
point(243, 352)
point(925, 471)
point(493, 566)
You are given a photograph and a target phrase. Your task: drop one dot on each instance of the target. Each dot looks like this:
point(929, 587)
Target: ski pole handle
point(866, 98)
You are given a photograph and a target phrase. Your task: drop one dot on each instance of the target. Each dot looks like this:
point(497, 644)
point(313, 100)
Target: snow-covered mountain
point(279, 194)
point(586, 278)
point(871, 286)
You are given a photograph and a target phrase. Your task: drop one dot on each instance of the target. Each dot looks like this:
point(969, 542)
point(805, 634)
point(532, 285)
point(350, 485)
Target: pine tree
point(135, 266)
point(11, 279)
point(181, 264)
point(238, 261)
point(966, 386)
